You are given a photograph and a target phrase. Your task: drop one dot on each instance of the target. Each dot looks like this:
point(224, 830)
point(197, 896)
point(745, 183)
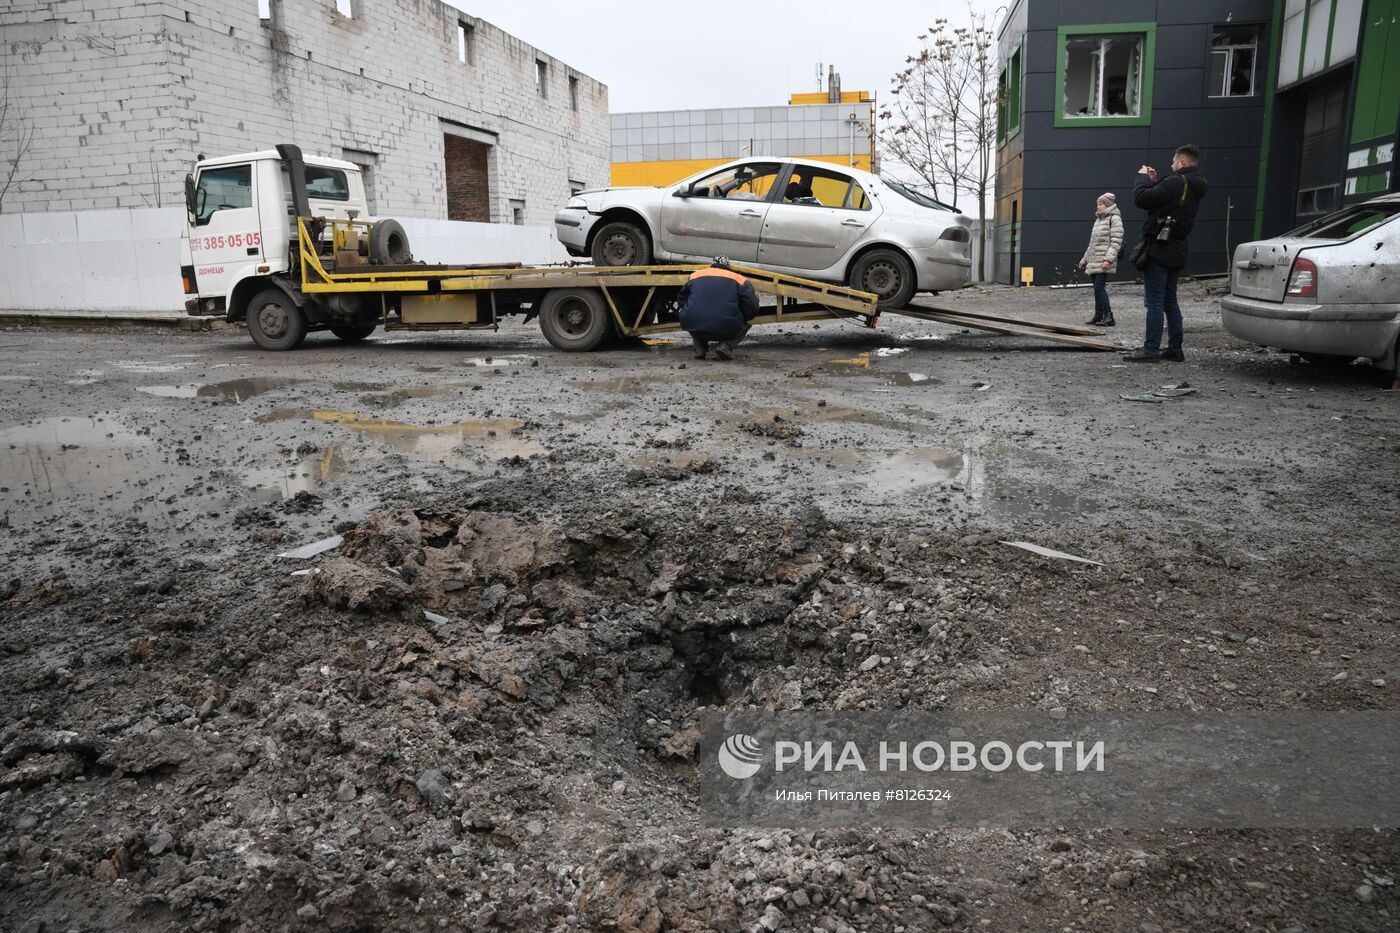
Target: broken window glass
point(1232, 54)
point(1103, 76)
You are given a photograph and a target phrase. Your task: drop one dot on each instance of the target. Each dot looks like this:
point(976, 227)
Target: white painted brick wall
point(128, 260)
point(123, 95)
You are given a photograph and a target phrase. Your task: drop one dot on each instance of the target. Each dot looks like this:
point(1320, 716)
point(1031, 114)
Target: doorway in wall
point(467, 165)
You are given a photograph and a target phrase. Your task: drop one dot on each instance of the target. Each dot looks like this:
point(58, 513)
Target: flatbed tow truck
point(276, 240)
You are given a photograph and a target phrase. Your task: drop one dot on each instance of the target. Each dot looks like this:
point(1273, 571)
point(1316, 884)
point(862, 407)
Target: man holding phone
point(1171, 204)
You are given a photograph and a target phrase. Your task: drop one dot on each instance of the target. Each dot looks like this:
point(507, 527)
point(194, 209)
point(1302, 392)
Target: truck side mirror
point(190, 206)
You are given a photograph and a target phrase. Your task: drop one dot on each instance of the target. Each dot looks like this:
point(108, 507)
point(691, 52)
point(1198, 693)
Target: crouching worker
point(716, 306)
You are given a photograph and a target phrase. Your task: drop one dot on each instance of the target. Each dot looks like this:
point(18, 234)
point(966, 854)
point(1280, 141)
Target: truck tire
point(621, 244)
point(352, 333)
point(275, 322)
point(388, 244)
point(575, 320)
point(885, 274)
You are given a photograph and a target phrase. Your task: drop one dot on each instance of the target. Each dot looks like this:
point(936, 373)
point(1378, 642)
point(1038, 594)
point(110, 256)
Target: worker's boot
point(1106, 320)
point(1094, 321)
point(702, 347)
point(724, 350)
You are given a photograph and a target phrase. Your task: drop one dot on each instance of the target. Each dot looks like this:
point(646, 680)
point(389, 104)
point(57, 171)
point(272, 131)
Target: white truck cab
point(240, 220)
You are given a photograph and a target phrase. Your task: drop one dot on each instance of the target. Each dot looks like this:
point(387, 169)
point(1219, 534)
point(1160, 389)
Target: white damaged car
point(796, 216)
point(1328, 291)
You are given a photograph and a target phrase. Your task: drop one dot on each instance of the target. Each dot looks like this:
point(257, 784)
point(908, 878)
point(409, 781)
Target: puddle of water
point(991, 476)
point(434, 442)
point(811, 412)
point(867, 364)
point(309, 474)
point(516, 359)
point(398, 396)
point(58, 458)
point(144, 366)
point(663, 457)
point(892, 471)
point(240, 390)
point(85, 377)
point(636, 385)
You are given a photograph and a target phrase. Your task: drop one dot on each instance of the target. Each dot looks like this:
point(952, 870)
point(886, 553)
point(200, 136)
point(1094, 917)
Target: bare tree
point(941, 122)
point(920, 125)
point(16, 136)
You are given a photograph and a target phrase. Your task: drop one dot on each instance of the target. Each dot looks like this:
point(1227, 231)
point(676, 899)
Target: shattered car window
point(1347, 222)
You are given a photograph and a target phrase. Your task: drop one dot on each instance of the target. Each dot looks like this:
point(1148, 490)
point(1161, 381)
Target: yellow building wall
point(661, 174)
point(820, 97)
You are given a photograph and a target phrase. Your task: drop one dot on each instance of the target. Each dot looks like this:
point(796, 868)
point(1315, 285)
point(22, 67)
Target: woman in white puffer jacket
point(1101, 258)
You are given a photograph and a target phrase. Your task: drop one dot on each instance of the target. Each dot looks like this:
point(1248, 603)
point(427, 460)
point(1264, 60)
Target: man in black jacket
point(716, 306)
point(1171, 205)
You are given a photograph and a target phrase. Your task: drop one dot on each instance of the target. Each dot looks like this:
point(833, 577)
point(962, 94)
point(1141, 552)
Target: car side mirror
point(190, 198)
point(686, 192)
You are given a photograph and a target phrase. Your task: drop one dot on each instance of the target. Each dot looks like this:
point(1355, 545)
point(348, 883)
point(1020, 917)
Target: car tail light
point(956, 234)
point(1302, 281)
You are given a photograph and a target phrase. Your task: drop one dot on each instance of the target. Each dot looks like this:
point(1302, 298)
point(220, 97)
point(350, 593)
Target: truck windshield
point(922, 200)
point(1347, 222)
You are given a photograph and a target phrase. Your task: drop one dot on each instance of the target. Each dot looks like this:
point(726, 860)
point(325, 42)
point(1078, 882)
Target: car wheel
point(885, 274)
point(275, 322)
point(575, 319)
point(352, 333)
point(621, 244)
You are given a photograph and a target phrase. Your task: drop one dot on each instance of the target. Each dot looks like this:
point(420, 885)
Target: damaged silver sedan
point(1328, 291)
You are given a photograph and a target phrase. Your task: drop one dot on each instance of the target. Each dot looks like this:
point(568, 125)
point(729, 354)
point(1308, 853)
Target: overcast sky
point(721, 53)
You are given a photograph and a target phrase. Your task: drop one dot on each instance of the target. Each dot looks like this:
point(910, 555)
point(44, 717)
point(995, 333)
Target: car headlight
point(576, 204)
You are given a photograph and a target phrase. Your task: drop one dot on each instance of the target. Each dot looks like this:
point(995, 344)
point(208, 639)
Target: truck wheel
point(352, 333)
point(275, 322)
point(885, 274)
point(388, 244)
point(575, 319)
point(621, 244)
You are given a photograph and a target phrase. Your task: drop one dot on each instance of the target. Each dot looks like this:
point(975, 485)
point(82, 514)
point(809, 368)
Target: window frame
point(466, 43)
point(1147, 67)
point(247, 167)
point(331, 172)
point(834, 173)
point(542, 78)
point(780, 180)
point(1015, 86)
point(1230, 50)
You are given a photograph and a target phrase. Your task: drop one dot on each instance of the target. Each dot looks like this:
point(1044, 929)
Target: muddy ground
point(194, 738)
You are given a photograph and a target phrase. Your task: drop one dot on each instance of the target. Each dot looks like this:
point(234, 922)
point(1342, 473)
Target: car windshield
point(1348, 221)
point(921, 199)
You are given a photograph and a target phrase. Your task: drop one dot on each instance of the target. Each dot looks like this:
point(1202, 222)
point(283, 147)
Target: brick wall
point(123, 95)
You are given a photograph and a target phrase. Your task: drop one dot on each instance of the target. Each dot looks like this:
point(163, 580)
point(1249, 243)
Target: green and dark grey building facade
point(1295, 105)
